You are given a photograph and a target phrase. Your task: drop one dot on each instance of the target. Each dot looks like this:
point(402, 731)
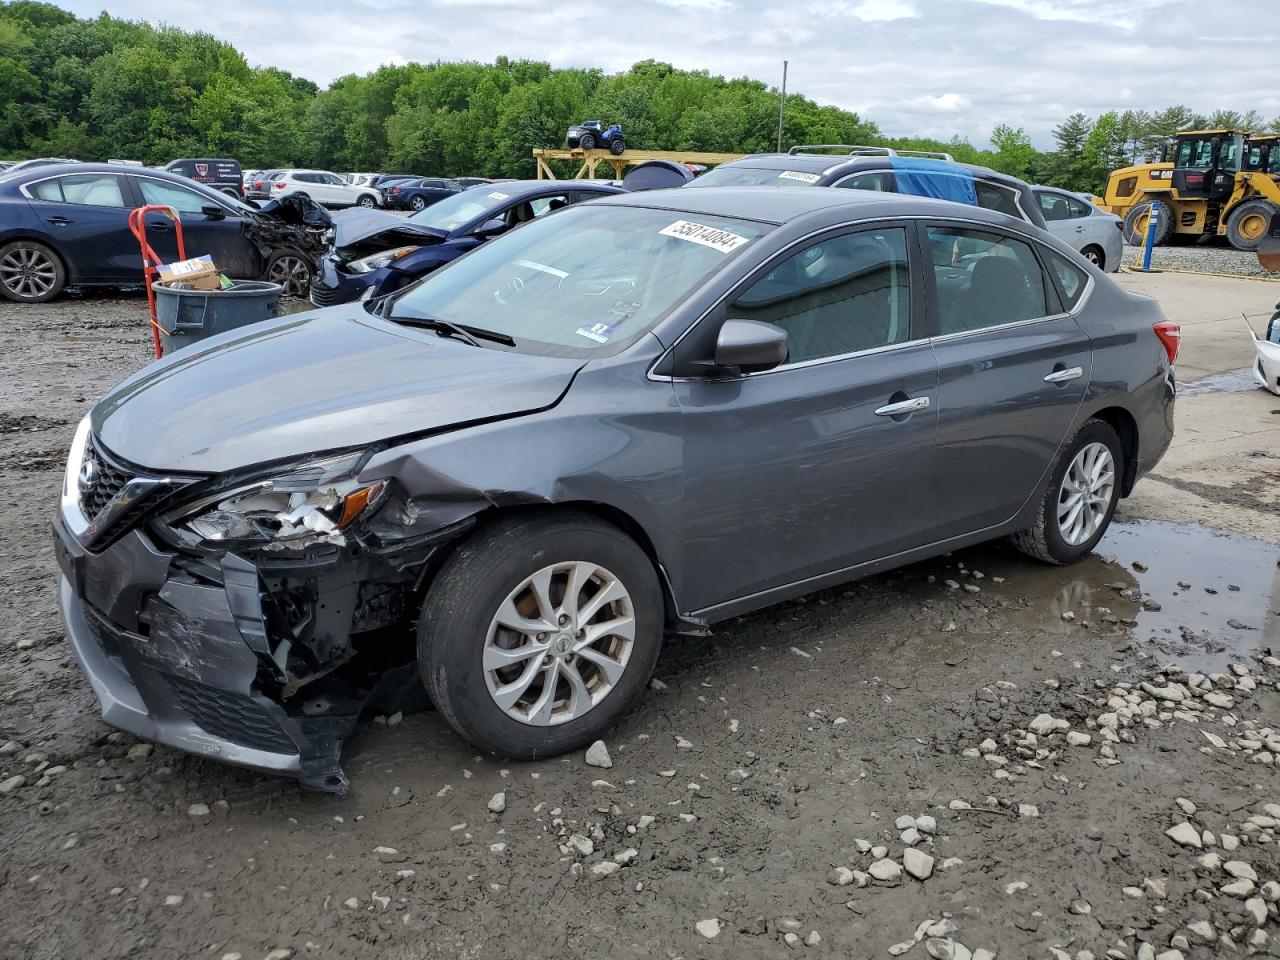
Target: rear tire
point(1249, 222)
point(1086, 476)
point(470, 663)
point(1094, 255)
point(367, 201)
point(587, 141)
point(418, 203)
point(30, 272)
point(1135, 223)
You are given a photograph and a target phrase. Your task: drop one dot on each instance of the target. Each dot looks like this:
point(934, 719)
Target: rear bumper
point(167, 662)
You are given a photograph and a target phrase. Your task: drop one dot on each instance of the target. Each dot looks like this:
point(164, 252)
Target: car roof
point(779, 205)
point(513, 188)
point(823, 162)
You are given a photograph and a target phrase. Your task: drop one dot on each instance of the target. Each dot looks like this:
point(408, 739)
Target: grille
point(230, 716)
point(111, 480)
point(322, 296)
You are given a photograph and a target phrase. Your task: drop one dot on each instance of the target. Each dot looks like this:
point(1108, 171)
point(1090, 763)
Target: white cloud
point(925, 67)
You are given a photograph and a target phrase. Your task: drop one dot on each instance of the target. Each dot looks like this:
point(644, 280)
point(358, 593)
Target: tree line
point(106, 88)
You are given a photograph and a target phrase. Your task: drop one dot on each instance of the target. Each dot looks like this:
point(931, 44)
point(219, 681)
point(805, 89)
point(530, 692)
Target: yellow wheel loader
point(1221, 183)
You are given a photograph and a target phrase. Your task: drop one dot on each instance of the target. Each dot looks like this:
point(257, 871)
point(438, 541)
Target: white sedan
point(325, 188)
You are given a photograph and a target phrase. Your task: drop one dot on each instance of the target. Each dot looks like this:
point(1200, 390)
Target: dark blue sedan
point(376, 253)
point(68, 225)
point(418, 194)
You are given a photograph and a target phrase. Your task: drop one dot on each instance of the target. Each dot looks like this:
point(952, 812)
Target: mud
point(771, 750)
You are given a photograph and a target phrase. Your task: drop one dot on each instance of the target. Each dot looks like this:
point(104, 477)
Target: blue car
point(418, 194)
point(375, 253)
point(64, 225)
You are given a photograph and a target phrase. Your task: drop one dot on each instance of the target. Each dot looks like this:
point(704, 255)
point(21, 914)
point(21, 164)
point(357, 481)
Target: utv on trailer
point(593, 134)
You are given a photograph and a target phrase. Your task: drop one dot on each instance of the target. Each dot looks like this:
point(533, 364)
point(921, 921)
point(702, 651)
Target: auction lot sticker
point(713, 237)
point(797, 175)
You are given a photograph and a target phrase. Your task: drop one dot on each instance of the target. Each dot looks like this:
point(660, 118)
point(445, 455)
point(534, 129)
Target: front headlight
point(376, 261)
point(311, 504)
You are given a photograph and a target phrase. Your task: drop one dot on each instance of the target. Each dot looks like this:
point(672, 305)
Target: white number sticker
point(797, 175)
point(502, 196)
point(712, 237)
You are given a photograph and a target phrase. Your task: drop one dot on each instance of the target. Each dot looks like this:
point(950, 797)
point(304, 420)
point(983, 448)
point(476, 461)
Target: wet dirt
point(770, 753)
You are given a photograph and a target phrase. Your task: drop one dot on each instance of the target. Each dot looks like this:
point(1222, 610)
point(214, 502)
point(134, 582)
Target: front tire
point(617, 146)
point(538, 634)
point(30, 272)
point(291, 270)
point(1080, 498)
point(1249, 222)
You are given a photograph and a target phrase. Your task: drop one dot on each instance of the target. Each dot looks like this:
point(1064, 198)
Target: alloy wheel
point(1093, 256)
point(418, 203)
point(559, 643)
point(292, 273)
point(1085, 494)
point(28, 273)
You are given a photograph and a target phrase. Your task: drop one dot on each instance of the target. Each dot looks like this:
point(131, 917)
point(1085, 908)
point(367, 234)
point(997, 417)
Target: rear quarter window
point(1070, 280)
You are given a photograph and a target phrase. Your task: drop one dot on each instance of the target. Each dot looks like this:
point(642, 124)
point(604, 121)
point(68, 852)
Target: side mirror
point(750, 345)
point(490, 228)
point(213, 211)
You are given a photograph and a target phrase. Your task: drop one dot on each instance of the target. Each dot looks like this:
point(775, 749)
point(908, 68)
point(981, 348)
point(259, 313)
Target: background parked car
point(325, 188)
point(1098, 235)
point(223, 175)
point(469, 182)
point(380, 180)
point(360, 179)
point(39, 162)
point(259, 187)
point(61, 227)
point(418, 194)
point(881, 169)
point(375, 253)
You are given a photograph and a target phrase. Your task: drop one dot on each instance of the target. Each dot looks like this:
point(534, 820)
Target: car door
point(221, 237)
point(825, 461)
point(87, 219)
point(1057, 215)
point(1013, 366)
point(336, 189)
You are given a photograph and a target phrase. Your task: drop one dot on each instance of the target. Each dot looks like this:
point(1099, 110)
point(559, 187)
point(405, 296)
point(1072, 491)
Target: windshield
point(586, 282)
point(452, 212)
point(731, 176)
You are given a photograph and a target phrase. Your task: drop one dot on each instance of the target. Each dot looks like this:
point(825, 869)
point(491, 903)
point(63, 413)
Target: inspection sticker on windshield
point(502, 196)
point(797, 175)
point(712, 237)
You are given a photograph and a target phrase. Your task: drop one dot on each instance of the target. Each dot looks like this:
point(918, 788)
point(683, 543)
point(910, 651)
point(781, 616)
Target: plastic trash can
point(186, 316)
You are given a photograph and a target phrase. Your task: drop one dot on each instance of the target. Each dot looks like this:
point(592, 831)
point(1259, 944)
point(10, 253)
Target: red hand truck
point(151, 261)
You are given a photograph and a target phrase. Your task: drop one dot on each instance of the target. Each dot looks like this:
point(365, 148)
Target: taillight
point(278, 185)
point(1169, 333)
point(395, 189)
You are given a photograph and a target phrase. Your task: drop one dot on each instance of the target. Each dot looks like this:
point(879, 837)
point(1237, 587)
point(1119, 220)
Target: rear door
point(1014, 366)
point(825, 461)
point(87, 218)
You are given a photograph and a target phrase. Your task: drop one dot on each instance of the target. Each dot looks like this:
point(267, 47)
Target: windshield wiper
point(463, 332)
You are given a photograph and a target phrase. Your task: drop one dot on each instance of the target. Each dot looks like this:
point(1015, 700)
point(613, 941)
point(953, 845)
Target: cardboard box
point(198, 273)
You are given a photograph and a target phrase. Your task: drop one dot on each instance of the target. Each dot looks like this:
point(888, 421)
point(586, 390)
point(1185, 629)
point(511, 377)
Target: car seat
point(998, 293)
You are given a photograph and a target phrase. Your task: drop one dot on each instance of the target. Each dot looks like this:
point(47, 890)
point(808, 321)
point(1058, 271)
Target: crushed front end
point(245, 618)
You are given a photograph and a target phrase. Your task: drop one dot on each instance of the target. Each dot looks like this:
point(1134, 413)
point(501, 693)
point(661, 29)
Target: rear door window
point(1054, 206)
point(984, 280)
point(170, 194)
point(88, 189)
point(993, 196)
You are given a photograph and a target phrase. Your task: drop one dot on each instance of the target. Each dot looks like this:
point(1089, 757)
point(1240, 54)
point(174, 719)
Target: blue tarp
point(923, 177)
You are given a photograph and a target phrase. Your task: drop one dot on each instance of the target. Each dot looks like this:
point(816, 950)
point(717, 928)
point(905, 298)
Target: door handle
point(159, 226)
point(60, 221)
point(1065, 374)
point(913, 405)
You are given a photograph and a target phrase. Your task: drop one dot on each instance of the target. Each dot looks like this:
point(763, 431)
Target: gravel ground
point(1206, 258)
point(972, 757)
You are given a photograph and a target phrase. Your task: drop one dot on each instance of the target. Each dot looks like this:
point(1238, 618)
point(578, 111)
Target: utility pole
point(782, 104)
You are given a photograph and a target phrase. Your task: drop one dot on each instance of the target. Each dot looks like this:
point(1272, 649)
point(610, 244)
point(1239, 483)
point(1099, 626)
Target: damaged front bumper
point(168, 662)
point(263, 656)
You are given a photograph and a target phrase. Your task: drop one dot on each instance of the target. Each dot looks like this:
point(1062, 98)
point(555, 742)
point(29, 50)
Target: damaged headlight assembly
point(292, 510)
point(376, 261)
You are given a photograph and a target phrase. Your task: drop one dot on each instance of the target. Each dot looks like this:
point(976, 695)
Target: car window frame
point(1054, 301)
point(126, 194)
point(217, 197)
point(717, 313)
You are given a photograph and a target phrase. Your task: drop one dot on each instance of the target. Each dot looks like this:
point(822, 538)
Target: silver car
point(1098, 235)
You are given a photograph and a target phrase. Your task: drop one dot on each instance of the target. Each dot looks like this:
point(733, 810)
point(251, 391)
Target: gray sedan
point(1098, 235)
point(637, 418)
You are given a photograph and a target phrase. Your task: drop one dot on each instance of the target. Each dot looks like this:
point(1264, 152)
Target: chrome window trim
point(941, 338)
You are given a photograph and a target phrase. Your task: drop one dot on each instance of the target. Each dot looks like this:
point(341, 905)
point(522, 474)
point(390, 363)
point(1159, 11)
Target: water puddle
point(1196, 597)
point(1232, 381)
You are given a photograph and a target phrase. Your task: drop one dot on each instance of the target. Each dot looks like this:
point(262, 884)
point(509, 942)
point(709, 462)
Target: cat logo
point(202, 169)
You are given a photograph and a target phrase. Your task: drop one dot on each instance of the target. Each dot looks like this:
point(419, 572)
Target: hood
point(312, 382)
point(358, 224)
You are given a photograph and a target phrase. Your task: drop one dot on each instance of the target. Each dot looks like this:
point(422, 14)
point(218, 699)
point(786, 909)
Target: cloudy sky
point(928, 67)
